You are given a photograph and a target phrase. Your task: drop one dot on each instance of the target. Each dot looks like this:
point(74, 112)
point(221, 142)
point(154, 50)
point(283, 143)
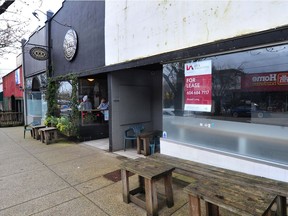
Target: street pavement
point(65, 178)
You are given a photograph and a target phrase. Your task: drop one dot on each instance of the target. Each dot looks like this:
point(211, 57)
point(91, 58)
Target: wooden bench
point(233, 181)
point(48, 134)
point(148, 171)
point(144, 138)
point(35, 131)
point(242, 200)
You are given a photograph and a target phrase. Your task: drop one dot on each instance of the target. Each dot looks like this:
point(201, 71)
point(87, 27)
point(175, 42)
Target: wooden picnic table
point(144, 138)
point(149, 171)
point(35, 131)
point(48, 134)
point(244, 200)
point(236, 191)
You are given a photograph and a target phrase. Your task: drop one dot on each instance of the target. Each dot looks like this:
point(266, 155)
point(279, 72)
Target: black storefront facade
point(77, 47)
point(139, 91)
point(134, 93)
point(85, 59)
point(72, 31)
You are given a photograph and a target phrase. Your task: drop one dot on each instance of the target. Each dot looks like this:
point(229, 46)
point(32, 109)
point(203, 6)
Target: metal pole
point(23, 41)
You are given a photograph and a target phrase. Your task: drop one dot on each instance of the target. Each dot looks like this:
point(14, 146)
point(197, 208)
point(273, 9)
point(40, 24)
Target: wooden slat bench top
point(150, 133)
point(48, 129)
point(196, 170)
point(38, 126)
point(149, 169)
point(243, 200)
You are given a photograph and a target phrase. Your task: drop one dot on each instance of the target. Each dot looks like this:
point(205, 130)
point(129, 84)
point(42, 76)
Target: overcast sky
point(9, 64)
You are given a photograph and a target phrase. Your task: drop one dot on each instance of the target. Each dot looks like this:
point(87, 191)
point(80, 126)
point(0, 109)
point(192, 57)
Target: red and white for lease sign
point(198, 86)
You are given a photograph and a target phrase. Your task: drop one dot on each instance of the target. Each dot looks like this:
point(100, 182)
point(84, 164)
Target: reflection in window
point(249, 102)
point(64, 97)
point(249, 86)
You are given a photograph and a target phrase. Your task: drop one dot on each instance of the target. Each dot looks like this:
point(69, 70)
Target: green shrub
point(51, 121)
point(67, 126)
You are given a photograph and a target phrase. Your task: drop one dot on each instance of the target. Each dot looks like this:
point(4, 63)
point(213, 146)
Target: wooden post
point(125, 185)
point(281, 206)
point(146, 146)
point(41, 135)
point(168, 190)
point(151, 197)
point(194, 206)
point(47, 137)
point(55, 135)
point(138, 145)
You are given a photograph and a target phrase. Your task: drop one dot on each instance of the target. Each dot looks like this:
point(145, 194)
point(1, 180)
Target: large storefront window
point(93, 91)
point(64, 98)
point(235, 103)
point(34, 104)
point(94, 88)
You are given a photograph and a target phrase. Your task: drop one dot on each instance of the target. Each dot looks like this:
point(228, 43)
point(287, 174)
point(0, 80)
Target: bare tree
point(173, 75)
point(13, 24)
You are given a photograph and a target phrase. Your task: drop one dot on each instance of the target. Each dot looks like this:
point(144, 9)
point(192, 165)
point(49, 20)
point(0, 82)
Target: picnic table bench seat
point(207, 176)
point(244, 201)
point(48, 134)
point(144, 138)
point(35, 131)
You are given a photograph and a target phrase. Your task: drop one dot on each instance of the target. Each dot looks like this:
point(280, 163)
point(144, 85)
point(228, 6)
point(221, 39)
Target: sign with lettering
point(17, 77)
point(70, 44)
point(39, 53)
point(198, 86)
point(272, 81)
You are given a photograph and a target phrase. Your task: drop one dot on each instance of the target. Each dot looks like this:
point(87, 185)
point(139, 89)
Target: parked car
point(168, 112)
point(247, 110)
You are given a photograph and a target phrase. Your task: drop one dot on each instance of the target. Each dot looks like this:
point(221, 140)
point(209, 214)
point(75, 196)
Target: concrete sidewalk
point(64, 178)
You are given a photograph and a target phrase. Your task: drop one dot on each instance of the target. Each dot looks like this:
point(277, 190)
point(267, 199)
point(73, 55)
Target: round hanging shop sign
point(39, 53)
point(70, 44)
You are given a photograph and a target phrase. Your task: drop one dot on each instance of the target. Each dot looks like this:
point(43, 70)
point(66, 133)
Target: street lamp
point(35, 14)
point(49, 14)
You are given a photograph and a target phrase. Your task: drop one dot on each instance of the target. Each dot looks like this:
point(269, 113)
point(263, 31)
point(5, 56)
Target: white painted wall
point(19, 60)
point(137, 29)
point(140, 28)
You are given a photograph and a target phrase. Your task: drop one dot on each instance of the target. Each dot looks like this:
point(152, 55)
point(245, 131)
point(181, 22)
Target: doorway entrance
point(94, 117)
